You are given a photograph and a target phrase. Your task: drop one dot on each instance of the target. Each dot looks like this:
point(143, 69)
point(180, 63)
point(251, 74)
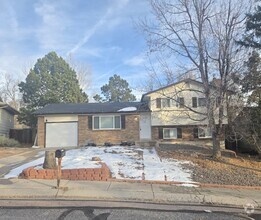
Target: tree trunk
point(49, 160)
point(216, 146)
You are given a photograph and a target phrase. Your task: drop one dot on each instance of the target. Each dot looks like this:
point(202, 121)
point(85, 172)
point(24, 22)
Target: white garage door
point(61, 134)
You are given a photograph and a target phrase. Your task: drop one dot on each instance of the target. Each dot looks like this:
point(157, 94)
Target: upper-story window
point(202, 102)
point(180, 103)
point(198, 102)
point(163, 102)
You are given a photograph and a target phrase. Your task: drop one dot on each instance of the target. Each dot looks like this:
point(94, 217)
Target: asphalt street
point(112, 214)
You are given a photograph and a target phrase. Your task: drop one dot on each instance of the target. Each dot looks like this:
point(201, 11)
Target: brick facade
point(85, 135)
point(41, 131)
point(187, 133)
point(130, 133)
point(187, 136)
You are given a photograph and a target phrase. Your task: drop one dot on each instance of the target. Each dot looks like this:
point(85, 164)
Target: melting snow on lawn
point(124, 163)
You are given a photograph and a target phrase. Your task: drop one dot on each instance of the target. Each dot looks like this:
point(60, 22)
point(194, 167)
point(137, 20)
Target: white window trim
point(167, 138)
point(104, 129)
point(168, 100)
point(204, 128)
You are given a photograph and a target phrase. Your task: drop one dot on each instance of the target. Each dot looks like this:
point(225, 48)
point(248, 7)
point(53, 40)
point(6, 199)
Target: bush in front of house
point(7, 142)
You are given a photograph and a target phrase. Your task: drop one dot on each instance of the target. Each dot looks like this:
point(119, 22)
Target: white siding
point(175, 115)
point(6, 122)
point(60, 118)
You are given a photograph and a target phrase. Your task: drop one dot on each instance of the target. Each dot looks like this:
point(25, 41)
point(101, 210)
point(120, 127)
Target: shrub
point(6, 142)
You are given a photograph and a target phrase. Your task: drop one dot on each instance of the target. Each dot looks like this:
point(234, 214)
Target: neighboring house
point(7, 114)
point(173, 113)
point(178, 113)
point(79, 124)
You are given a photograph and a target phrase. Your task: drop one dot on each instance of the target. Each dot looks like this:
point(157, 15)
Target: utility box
point(60, 153)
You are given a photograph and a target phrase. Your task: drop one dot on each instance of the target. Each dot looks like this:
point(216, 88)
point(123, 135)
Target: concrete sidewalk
point(122, 191)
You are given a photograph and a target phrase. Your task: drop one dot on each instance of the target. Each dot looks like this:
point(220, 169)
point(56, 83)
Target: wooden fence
point(24, 135)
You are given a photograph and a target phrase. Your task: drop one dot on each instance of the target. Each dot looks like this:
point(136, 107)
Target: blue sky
point(100, 34)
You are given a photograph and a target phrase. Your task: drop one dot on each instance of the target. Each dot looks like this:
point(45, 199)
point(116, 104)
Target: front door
point(145, 126)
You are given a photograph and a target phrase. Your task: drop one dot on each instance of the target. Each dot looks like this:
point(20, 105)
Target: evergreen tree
point(252, 35)
point(117, 90)
point(51, 80)
point(251, 82)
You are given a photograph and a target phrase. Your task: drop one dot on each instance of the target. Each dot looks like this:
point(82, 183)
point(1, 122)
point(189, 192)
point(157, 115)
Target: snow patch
point(124, 162)
point(128, 109)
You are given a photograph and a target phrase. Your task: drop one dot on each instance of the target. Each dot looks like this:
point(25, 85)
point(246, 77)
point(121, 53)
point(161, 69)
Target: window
point(158, 102)
point(165, 102)
point(162, 102)
point(204, 132)
point(198, 102)
point(180, 102)
point(170, 133)
point(202, 102)
point(106, 122)
point(194, 102)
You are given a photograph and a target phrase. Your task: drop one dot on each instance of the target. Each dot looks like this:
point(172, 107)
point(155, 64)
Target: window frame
point(206, 130)
point(165, 101)
point(106, 116)
point(200, 104)
point(168, 138)
point(179, 104)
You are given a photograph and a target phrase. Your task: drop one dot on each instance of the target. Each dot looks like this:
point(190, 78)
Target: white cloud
point(102, 22)
point(51, 32)
point(135, 61)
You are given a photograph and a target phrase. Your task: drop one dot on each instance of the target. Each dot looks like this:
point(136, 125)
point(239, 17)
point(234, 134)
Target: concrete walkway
point(122, 191)
point(10, 162)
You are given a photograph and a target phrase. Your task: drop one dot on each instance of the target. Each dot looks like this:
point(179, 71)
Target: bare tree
point(83, 71)
point(202, 34)
point(9, 90)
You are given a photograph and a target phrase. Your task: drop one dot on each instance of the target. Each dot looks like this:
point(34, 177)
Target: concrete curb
point(58, 203)
point(208, 185)
point(116, 203)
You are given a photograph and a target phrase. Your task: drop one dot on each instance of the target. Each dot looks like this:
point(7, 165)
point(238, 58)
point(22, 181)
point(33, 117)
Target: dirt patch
point(7, 151)
point(241, 170)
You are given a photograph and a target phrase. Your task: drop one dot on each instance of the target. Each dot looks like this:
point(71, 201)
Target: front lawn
point(124, 163)
point(240, 170)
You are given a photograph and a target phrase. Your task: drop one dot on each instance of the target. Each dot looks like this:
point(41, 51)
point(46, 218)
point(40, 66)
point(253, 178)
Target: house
point(175, 113)
point(79, 124)
point(178, 113)
point(7, 114)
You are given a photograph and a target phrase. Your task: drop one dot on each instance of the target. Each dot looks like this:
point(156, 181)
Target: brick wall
point(41, 131)
point(130, 133)
point(187, 133)
point(93, 174)
point(187, 136)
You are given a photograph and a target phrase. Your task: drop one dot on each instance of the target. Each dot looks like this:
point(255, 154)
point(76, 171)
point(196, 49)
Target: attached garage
point(61, 131)
point(77, 124)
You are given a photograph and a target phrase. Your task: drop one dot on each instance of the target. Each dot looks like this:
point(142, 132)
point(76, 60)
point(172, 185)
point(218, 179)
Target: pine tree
point(117, 90)
point(252, 35)
point(51, 80)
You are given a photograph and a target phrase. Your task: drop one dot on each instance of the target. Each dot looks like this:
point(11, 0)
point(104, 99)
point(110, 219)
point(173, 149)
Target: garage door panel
point(61, 134)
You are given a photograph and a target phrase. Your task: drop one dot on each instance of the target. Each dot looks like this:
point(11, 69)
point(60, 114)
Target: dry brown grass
point(7, 151)
point(207, 162)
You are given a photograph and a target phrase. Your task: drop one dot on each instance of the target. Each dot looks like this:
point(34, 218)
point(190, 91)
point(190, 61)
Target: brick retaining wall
point(92, 174)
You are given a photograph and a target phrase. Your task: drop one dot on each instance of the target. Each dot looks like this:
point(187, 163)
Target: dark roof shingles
point(91, 108)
